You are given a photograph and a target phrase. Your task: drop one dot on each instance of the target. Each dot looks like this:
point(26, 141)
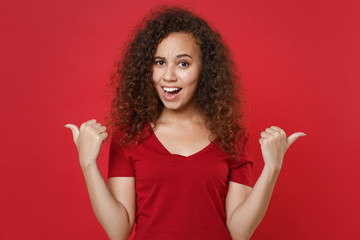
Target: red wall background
point(300, 65)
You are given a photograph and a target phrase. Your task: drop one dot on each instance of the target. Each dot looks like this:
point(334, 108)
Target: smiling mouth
point(171, 91)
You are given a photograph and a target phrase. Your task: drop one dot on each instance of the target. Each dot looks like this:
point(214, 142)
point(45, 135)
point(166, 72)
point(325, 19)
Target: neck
point(190, 114)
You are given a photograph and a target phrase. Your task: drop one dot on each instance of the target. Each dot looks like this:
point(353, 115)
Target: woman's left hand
point(274, 144)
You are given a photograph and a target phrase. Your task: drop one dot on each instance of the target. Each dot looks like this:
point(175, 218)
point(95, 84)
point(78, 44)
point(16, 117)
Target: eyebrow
point(177, 56)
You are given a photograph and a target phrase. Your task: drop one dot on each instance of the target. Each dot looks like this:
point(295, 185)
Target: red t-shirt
point(179, 197)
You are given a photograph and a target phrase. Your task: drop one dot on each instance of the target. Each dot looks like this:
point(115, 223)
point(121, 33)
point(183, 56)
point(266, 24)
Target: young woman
point(179, 164)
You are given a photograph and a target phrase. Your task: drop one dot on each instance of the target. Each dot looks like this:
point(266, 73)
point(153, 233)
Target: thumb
point(292, 138)
point(75, 131)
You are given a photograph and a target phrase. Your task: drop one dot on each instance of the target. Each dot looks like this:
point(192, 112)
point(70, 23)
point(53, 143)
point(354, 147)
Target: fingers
point(93, 127)
point(75, 131)
point(100, 133)
point(103, 136)
point(292, 138)
point(100, 129)
point(273, 132)
point(267, 136)
point(86, 124)
point(278, 129)
point(277, 132)
point(90, 126)
point(96, 129)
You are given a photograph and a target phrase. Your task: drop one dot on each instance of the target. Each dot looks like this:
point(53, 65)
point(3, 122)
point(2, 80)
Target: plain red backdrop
point(299, 61)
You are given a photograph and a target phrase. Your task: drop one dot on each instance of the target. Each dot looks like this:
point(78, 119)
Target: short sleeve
point(120, 163)
point(241, 171)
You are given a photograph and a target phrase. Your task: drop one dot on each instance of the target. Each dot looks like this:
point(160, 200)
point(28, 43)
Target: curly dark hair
point(136, 102)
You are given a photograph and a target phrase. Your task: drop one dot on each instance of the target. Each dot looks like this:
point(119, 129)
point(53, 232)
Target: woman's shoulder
point(119, 138)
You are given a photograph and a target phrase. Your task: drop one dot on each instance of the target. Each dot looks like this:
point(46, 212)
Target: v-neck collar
point(204, 149)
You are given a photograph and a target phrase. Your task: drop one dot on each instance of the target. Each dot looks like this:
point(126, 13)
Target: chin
point(173, 107)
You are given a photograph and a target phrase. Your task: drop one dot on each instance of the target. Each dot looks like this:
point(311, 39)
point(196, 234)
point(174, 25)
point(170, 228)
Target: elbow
point(239, 233)
point(117, 238)
point(247, 237)
point(116, 235)
point(240, 236)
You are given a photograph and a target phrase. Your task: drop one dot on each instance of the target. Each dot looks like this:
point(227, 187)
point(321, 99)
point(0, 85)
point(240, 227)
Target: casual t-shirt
point(179, 197)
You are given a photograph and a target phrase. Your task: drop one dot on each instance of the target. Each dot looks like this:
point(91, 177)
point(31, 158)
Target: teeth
point(171, 89)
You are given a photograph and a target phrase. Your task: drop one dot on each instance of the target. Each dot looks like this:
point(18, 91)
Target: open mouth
point(169, 92)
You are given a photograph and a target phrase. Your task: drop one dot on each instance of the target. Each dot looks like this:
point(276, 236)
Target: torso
point(183, 139)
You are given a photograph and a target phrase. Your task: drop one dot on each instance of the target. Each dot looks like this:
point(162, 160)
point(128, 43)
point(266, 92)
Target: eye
point(183, 64)
point(160, 63)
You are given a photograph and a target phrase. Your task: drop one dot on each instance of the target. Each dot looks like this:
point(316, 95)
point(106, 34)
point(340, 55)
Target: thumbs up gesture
point(274, 144)
point(88, 141)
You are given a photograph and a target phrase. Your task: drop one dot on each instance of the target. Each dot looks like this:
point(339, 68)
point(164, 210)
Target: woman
point(180, 164)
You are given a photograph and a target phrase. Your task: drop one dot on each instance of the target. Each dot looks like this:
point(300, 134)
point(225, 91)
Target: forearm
point(111, 214)
point(247, 216)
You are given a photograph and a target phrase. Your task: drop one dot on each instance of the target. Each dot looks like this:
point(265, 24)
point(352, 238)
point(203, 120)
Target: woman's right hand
point(88, 141)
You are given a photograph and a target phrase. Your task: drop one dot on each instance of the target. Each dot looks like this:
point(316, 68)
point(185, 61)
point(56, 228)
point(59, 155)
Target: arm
point(113, 205)
point(246, 207)
point(115, 214)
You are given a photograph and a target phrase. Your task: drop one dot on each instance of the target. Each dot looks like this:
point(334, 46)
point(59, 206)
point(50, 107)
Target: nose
point(169, 73)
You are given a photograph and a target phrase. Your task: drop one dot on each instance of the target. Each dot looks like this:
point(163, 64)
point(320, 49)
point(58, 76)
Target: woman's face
point(176, 69)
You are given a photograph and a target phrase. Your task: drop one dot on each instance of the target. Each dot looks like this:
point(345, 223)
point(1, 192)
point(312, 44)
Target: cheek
point(191, 77)
point(156, 76)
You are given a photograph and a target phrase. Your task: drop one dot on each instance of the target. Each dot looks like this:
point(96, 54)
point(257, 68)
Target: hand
point(274, 144)
point(88, 141)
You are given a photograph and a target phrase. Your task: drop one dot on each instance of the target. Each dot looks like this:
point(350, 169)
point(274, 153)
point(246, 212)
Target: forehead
point(178, 42)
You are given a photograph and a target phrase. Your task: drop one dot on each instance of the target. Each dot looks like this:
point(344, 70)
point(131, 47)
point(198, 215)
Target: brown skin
point(218, 92)
point(114, 205)
point(181, 126)
point(189, 120)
